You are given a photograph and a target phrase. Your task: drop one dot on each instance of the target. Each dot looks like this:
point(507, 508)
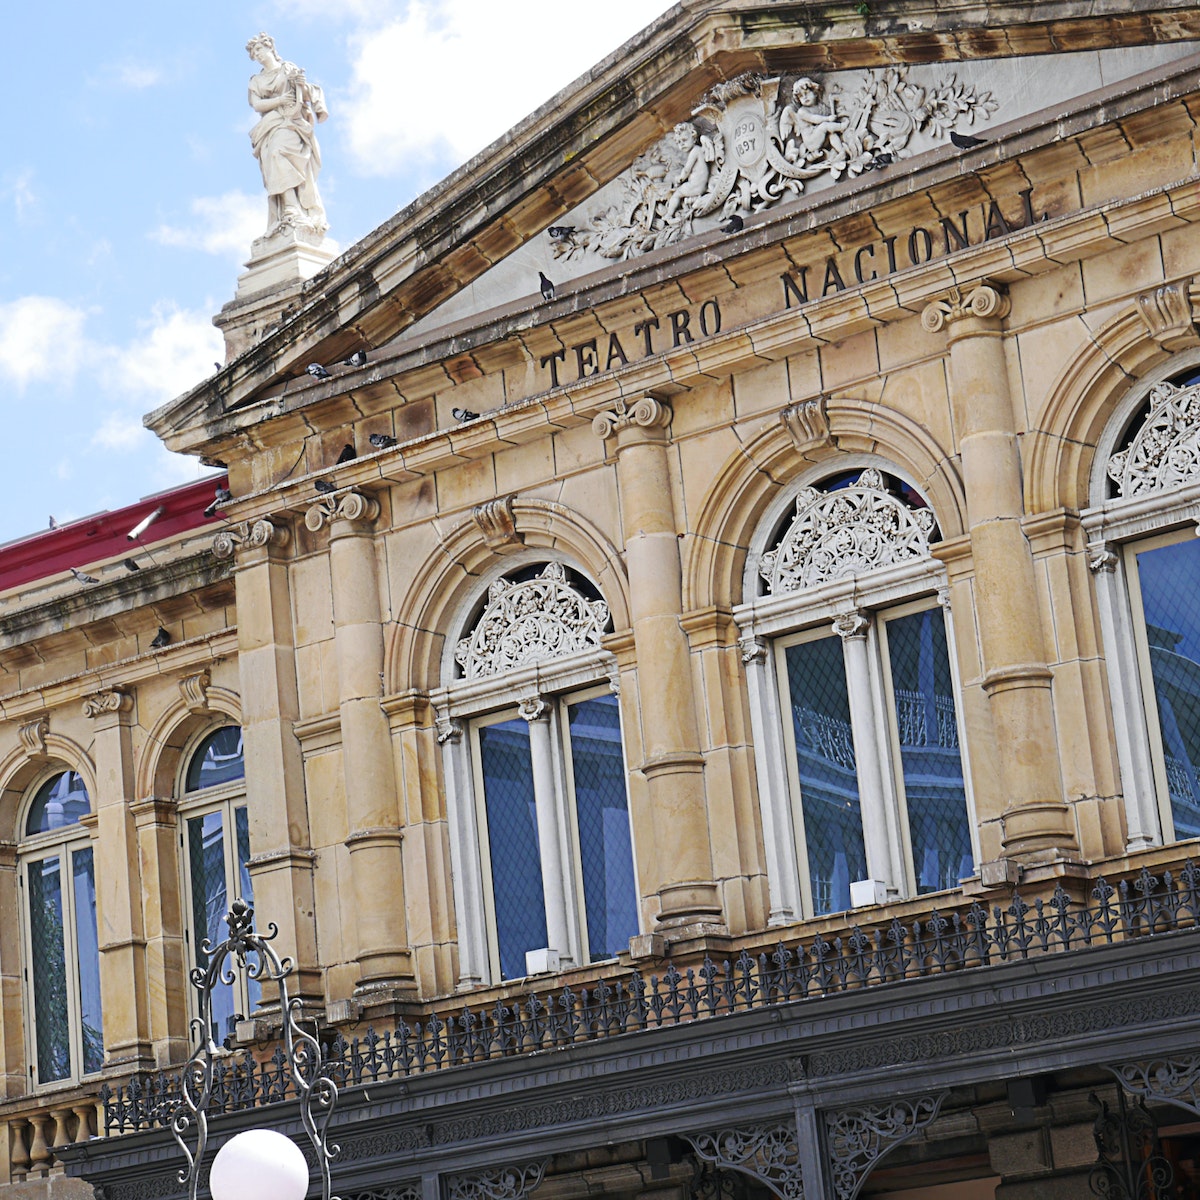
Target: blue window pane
point(59, 802)
point(87, 948)
point(210, 902)
point(48, 965)
point(833, 831)
point(241, 820)
point(609, 890)
point(938, 825)
point(512, 837)
point(218, 759)
point(1170, 577)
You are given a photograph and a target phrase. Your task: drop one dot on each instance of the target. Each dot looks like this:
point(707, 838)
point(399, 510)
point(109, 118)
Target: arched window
point(216, 854)
point(531, 729)
point(854, 701)
point(57, 872)
point(1145, 558)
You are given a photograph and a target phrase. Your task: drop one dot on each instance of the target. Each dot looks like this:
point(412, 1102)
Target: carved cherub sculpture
point(691, 182)
point(808, 128)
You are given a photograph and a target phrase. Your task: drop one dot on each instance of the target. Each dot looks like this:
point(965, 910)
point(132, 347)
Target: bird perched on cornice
point(160, 639)
point(357, 359)
point(130, 564)
point(381, 441)
point(324, 486)
point(348, 454)
point(964, 141)
point(82, 576)
point(735, 224)
point(53, 523)
point(560, 231)
point(546, 285)
point(317, 371)
point(464, 414)
point(223, 497)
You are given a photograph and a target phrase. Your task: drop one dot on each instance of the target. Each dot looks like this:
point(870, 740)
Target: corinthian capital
point(982, 299)
point(648, 412)
point(348, 506)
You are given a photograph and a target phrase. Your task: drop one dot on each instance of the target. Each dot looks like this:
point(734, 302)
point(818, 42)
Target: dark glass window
point(218, 759)
point(59, 803)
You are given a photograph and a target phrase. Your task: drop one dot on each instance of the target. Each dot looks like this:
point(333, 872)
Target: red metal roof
point(103, 535)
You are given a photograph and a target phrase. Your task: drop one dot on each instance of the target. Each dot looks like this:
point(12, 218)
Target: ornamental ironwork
point(1165, 450)
point(496, 1183)
point(1175, 1080)
point(529, 621)
point(860, 1136)
point(1131, 1165)
point(970, 937)
point(769, 1153)
point(846, 532)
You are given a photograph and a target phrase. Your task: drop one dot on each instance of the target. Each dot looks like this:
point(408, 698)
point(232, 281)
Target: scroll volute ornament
point(984, 299)
point(114, 700)
point(498, 524)
point(194, 690)
point(252, 534)
point(1168, 315)
point(349, 506)
point(32, 736)
point(647, 412)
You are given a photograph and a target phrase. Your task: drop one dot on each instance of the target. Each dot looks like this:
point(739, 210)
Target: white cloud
point(19, 189)
point(224, 224)
point(176, 349)
point(451, 78)
point(41, 339)
point(121, 432)
point(137, 76)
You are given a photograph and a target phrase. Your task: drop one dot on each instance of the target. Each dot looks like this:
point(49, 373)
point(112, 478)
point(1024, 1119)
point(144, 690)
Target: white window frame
point(36, 848)
point(1117, 529)
point(541, 694)
point(859, 604)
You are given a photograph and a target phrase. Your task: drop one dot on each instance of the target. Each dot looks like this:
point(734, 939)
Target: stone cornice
point(453, 233)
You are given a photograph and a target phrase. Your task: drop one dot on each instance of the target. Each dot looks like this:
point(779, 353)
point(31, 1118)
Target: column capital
point(647, 412)
point(251, 535)
point(982, 299)
point(533, 708)
point(850, 625)
point(449, 729)
point(112, 702)
point(354, 507)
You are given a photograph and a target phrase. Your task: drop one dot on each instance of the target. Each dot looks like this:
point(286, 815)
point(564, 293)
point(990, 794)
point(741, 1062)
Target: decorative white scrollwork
point(1165, 451)
point(847, 532)
point(529, 622)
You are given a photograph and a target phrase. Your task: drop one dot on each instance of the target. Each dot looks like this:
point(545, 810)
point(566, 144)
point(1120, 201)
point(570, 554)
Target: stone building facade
point(725, 720)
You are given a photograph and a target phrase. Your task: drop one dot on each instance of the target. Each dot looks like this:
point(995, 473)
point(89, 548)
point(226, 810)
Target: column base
point(1039, 832)
point(690, 909)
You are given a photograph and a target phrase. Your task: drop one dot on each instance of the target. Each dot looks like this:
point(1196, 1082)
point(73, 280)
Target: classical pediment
point(663, 145)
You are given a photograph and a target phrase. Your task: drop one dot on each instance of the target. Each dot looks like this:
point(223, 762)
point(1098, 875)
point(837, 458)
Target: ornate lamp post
point(257, 1164)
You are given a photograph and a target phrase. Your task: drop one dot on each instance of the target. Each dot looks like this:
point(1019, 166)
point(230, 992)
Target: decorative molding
point(1168, 1080)
point(768, 1153)
point(851, 624)
point(348, 506)
point(859, 1136)
point(32, 736)
point(1165, 451)
point(846, 532)
point(807, 424)
point(614, 680)
point(114, 700)
point(985, 299)
point(410, 1190)
point(498, 524)
point(529, 622)
point(496, 1183)
point(194, 690)
point(647, 412)
point(252, 535)
point(1168, 315)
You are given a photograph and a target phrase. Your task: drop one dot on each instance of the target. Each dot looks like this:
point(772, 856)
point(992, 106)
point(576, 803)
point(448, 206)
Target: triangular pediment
point(712, 115)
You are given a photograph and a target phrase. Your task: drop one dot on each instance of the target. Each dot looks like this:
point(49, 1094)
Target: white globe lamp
point(259, 1164)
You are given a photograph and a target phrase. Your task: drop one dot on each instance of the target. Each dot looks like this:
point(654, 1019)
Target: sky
point(129, 195)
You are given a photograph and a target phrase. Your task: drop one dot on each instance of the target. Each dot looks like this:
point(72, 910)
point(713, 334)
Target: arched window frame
point(857, 606)
point(540, 692)
point(72, 845)
point(1118, 528)
point(224, 800)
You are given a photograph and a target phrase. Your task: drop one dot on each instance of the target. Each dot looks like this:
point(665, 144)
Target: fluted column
point(281, 863)
point(672, 762)
point(118, 881)
point(368, 766)
point(1017, 677)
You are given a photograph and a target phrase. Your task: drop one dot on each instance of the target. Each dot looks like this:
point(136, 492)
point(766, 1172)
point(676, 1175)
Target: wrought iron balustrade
point(969, 937)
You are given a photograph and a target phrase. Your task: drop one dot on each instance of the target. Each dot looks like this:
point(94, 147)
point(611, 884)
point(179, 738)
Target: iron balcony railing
point(1146, 906)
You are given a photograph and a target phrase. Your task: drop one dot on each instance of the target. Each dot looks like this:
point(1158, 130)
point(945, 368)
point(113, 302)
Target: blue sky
point(128, 194)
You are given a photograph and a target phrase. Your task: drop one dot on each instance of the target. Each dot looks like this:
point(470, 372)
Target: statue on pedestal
point(285, 143)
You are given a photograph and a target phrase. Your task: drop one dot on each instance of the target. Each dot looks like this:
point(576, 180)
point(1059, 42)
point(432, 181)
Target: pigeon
point(130, 564)
point(878, 161)
point(357, 359)
point(464, 414)
point(382, 441)
point(53, 523)
point(547, 286)
point(317, 371)
point(324, 486)
point(964, 141)
point(560, 231)
point(83, 577)
point(348, 454)
point(216, 366)
point(223, 497)
point(160, 639)
point(735, 224)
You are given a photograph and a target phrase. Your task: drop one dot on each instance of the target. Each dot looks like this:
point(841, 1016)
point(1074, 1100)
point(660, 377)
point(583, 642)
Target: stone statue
point(285, 142)
point(807, 128)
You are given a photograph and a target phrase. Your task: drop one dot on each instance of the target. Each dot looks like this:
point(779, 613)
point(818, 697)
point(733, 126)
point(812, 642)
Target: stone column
point(281, 863)
point(672, 763)
point(117, 868)
point(1017, 677)
point(372, 799)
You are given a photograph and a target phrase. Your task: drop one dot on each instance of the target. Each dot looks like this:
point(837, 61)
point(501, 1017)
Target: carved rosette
point(1165, 451)
point(251, 534)
point(768, 1153)
point(847, 532)
point(983, 300)
point(529, 622)
point(646, 413)
point(349, 506)
point(112, 701)
point(859, 1137)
